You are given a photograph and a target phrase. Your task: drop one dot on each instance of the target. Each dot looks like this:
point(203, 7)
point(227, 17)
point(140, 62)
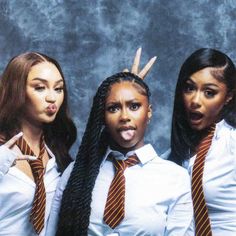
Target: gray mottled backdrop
point(94, 39)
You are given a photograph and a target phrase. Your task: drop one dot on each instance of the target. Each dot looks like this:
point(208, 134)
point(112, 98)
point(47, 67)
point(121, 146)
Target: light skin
point(204, 98)
point(126, 116)
point(44, 97)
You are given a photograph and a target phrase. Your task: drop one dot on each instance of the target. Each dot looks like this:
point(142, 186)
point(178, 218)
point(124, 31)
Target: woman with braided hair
point(118, 185)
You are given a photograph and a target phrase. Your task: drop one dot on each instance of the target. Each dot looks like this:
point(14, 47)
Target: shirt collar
point(220, 128)
point(145, 154)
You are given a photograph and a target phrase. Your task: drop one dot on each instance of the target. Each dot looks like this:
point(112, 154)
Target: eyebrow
point(118, 102)
point(205, 85)
point(45, 81)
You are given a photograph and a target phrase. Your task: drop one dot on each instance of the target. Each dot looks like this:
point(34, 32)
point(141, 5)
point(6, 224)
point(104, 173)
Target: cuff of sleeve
point(6, 160)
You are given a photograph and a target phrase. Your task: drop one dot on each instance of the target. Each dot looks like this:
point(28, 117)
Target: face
point(204, 98)
point(44, 93)
point(126, 116)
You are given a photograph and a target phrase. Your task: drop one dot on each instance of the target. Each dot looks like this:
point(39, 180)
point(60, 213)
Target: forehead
point(206, 76)
point(126, 90)
point(44, 70)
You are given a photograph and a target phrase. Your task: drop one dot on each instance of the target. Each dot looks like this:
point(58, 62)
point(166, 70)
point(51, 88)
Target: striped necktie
point(115, 206)
point(39, 204)
point(202, 221)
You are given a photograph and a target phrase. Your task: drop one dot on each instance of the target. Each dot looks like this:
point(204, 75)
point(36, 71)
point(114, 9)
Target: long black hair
point(59, 134)
point(75, 209)
point(183, 139)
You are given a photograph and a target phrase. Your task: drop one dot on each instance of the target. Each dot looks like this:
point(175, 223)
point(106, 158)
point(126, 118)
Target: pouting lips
point(52, 108)
point(195, 115)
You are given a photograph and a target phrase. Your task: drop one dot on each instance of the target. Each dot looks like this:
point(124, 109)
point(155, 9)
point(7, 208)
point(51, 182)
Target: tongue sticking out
point(127, 134)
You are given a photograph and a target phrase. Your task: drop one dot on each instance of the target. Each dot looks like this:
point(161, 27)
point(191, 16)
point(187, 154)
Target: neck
point(31, 133)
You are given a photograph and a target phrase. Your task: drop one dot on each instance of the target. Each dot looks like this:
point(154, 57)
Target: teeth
point(127, 134)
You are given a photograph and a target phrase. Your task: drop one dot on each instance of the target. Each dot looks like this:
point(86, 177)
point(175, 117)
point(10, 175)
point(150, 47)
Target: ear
point(229, 97)
point(149, 111)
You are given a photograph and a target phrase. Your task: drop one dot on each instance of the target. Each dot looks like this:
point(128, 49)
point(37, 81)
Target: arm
point(180, 215)
point(56, 203)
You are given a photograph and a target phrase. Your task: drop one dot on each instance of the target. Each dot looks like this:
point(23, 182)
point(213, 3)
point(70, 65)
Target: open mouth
point(127, 133)
point(195, 115)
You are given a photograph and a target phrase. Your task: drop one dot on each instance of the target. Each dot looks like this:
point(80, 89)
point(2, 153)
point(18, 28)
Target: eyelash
point(209, 93)
point(41, 88)
point(132, 107)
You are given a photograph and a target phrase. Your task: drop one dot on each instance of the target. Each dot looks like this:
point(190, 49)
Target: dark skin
point(127, 113)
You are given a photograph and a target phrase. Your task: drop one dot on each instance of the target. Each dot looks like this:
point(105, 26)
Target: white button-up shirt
point(17, 194)
point(219, 180)
point(157, 198)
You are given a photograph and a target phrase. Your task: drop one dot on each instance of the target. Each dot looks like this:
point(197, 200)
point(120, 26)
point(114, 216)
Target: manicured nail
point(31, 158)
point(19, 134)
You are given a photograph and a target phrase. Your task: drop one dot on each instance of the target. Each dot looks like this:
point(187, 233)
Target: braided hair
point(76, 201)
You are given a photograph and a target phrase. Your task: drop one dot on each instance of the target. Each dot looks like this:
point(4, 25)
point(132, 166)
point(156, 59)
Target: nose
point(196, 100)
point(51, 97)
point(124, 116)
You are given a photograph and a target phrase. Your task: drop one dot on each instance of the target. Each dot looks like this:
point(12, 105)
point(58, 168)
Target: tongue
point(127, 134)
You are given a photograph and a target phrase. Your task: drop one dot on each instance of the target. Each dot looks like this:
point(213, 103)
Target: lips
point(51, 109)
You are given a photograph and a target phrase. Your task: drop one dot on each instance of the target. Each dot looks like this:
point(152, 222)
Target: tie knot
point(121, 165)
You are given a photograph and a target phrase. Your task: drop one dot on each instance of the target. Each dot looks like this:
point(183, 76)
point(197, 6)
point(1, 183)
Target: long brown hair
point(61, 133)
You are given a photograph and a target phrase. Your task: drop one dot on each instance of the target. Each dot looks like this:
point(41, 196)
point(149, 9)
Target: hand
point(135, 66)
point(10, 143)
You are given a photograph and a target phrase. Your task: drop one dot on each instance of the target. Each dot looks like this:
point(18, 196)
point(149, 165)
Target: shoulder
point(65, 176)
point(166, 154)
point(169, 169)
point(226, 132)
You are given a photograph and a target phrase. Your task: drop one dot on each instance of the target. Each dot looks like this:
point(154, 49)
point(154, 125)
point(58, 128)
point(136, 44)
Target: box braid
point(75, 208)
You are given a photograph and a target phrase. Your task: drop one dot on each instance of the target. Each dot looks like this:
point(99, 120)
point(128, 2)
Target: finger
point(126, 70)
point(12, 141)
point(147, 68)
point(136, 62)
point(26, 157)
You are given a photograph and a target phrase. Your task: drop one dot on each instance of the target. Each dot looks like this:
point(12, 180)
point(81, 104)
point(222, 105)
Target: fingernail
point(19, 134)
point(139, 49)
point(32, 158)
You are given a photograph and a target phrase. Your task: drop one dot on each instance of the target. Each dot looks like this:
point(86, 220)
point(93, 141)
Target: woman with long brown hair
point(34, 121)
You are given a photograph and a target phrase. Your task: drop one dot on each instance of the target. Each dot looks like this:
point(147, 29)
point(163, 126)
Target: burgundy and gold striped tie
point(202, 221)
point(39, 204)
point(115, 206)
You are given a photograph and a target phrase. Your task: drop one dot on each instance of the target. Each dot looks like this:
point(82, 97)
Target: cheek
point(60, 100)
point(185, 101)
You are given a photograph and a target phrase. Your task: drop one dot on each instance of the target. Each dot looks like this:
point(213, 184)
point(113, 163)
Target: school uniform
point(17, 193)
point(219, 180)
point(157, 197)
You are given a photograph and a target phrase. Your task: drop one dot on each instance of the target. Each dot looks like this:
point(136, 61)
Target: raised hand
point(6, 148)
point(135, 67)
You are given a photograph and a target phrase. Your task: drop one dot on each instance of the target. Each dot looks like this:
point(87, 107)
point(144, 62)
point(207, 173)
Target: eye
point(188, 88)
point(59, 89)
point(209, 93)
point(39, 88)
point(113, 108)
point(135, 106)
